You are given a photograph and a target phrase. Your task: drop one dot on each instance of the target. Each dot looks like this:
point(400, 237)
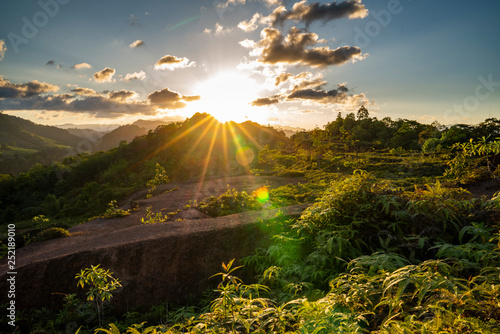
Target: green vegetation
point(231, 202)
point(113, 211)
point(152, 218)
point(390, 244)
point(51, 233)
point(100, 284)
point(24, 143)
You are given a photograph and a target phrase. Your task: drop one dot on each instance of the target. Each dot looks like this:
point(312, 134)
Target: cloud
point(50, 63)
point(10, 90)
point(335, 96)
point(97, 105)
point(306, 80)
point(298, 48)
point(81, 66)
point(265, 101)
point(308, 13)
point(230, 2)
point(106, 75)
point(303, 93)
point(3, 49)
point(172, 62)
point(169, 99)
point(227, 3)
point(84, 91)
point(134, 76)
point(121, 95)
point(281, 78)
point(219, 30)
point(251, 24)
point(320, 96)
point(137, 43)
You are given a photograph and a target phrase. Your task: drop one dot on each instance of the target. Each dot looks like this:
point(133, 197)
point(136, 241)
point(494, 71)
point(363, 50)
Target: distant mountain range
point(24, 143)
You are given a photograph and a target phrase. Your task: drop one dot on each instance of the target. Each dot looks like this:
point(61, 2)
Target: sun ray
point(171, 142)
point(209, 154)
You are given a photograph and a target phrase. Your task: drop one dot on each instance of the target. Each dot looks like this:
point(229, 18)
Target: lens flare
point(245, 156)
point(262, 194)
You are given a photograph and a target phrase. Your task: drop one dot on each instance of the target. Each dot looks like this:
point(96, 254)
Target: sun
point(227, 97)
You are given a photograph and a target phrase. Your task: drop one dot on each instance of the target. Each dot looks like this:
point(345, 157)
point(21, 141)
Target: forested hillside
point(24, 143)
point(392, 241)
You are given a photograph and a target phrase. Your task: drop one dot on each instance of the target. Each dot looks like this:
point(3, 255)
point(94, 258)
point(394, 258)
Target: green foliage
point(160, 178)
point(152, 218)
point(51, 233)
point(113, 211)
point(100, 283)
point(231, 202)
point(41, 221)
point(473, 160)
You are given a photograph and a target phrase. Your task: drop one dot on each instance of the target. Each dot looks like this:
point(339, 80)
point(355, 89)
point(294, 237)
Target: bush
point(231, 202)
point(51, 233)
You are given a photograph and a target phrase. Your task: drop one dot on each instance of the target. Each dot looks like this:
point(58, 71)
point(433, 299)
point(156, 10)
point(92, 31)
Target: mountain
point(123, 133)
point(150, 124)
point(96, 127)
point(89, 134)
point(24, 143)
point(288, 130)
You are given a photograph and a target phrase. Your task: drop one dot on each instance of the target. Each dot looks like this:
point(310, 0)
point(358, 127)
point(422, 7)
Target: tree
point(362, 113)
point(101, 283)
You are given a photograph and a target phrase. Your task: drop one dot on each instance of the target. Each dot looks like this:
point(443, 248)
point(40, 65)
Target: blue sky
point(423, 60)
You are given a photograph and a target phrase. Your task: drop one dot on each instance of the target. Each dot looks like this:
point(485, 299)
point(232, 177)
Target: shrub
point(231, 202)
point(51, 233)
point(114, 212)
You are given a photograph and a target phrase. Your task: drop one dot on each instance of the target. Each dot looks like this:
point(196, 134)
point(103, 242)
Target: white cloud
point(137, 44)
point(169, 62)
point(81, 65)
point(134, 76)
point(3, 49)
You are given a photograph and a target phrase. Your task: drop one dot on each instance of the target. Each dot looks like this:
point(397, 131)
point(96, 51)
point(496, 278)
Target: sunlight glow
point(227, 97)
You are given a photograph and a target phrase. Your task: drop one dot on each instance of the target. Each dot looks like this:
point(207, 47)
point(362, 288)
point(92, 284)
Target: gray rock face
point(168, 261)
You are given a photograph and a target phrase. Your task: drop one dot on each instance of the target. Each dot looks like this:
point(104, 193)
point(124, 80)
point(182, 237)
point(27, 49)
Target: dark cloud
point(98, 105)
point(121, 95)
point(265, 101)
point(106, 75)
point(306, 80)
point(172, 62)
point(50, 63)
point(298, 48)
point(321, 96)
point(308, 13)
point(84, 91)
point(14, 91)
point(340, 95)
point(169, 99)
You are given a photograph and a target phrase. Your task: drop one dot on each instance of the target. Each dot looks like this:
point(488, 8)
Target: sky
point(278, 62)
